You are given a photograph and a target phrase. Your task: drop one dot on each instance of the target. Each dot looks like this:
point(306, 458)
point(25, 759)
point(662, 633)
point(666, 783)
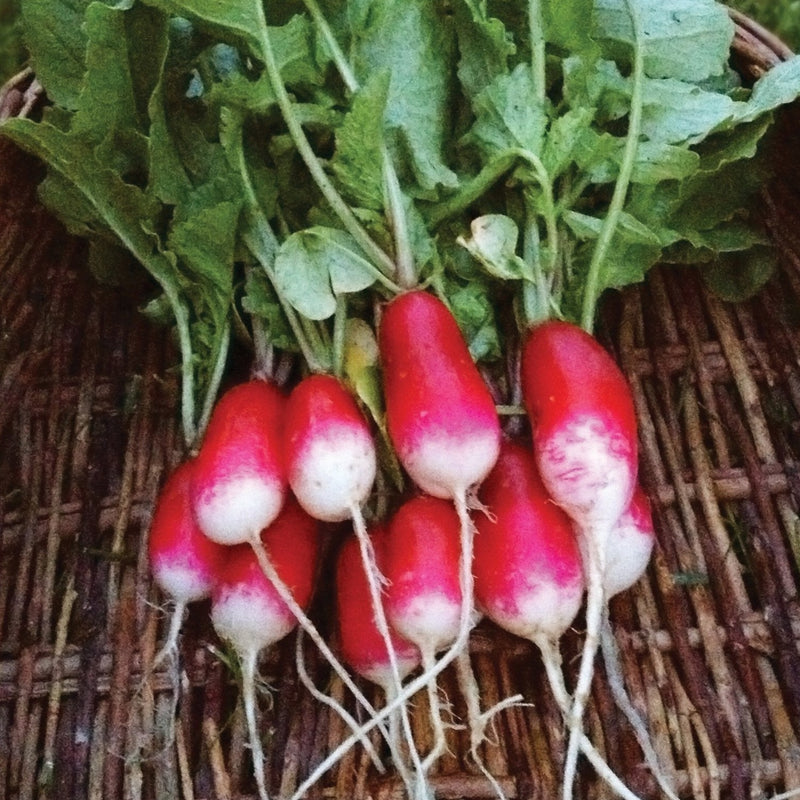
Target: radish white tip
point(181, 579)
point(250, 621)
point(338, 471)
point(441, 464)
point(540, 608)
point(430, 620)
point(229, 512)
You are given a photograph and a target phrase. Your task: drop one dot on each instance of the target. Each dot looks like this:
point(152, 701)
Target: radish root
point(595, 602)
point(421, 681)
point(375, 580)
point(439, 739)
point(143, 695)
point(306, 624)
point(551, 659)
point(248, 660)
point(351, 723)
point(479, 720)
point(170, 647)
point(608, 645)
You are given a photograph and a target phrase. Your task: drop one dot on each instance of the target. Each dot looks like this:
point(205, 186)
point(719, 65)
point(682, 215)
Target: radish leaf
point(685, 39)
point(315, 265)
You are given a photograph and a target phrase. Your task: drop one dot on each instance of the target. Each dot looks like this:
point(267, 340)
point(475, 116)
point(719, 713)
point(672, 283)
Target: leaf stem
point(337, 203)
point(538, 55)
point(217, 372)
point(339, 58)
point(317, 337)
point(535, 302)
point(185, 343)
point(260, 239)
point(591, 292)
point(473, 189)
point(339, 329)
point(405, 271)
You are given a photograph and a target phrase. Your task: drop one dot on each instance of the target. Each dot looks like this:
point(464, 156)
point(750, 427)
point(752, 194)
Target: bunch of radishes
point(239, 523)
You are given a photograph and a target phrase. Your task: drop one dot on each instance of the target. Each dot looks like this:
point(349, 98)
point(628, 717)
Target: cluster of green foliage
point(288, 164)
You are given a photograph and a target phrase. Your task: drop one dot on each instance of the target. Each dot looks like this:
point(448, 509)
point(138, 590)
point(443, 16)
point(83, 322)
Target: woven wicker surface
point(709, 640)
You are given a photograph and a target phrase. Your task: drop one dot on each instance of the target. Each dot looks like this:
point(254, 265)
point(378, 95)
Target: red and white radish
point(424, 598)
point(583, 423)
point(331, 466)
point(440, 416)
point(585, 440)
point(363, 644)
point(184, 563)
point(528, 570)
point(423, 595)
point(239, 481)
point(328, 449)
point(249, 612)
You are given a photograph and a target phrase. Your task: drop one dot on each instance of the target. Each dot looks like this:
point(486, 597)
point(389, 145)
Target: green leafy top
point(288, 165)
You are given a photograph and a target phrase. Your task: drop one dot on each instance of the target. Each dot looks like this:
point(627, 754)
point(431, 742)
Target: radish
point(584, 434)
point(528, 571)
point(363, 645)
point(440, 417)
point(331, 466)
point(424, 596)
point(328, 449)
point(184, 563)
point(239, 481)
point(249, 612)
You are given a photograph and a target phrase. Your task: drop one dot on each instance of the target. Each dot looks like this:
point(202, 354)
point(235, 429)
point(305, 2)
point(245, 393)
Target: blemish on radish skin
point(585, 462)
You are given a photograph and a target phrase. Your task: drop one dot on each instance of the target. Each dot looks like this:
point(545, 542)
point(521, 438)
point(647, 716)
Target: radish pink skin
point(528, 570)
point(239, 483)
point(440, 415)
point(362, 645)
point(630, 545)
point(583, 421)
point(185, 563)
point(328, 448)
point(423, 596)
point(246, 608)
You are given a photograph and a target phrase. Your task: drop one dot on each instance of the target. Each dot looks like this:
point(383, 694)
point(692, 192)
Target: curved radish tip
point(184, 563)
